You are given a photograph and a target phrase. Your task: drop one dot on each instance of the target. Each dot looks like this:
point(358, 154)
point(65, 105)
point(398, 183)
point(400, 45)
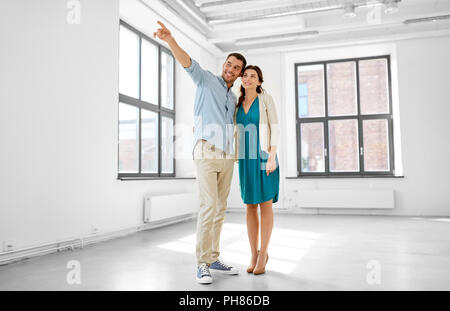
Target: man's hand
point(162, 33)
point(180, 55)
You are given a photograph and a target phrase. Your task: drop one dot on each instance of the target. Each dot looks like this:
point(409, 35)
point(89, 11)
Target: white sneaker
point(220, 266)
point(203, 274)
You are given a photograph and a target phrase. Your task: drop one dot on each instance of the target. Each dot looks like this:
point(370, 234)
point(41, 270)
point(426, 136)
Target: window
point(344, 118)
point(146, 106)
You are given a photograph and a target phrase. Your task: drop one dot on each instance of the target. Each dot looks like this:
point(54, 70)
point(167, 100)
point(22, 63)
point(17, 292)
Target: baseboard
point(82, 241)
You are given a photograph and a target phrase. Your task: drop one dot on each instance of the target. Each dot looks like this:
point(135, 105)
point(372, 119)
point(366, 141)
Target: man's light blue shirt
point(213, 108)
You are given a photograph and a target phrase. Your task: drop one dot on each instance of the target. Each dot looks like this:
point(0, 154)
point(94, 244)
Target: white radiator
point(341, 198)
point(164, 206)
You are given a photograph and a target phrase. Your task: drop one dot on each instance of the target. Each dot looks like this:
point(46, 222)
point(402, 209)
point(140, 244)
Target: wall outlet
point(7, 247)
point(94, 229)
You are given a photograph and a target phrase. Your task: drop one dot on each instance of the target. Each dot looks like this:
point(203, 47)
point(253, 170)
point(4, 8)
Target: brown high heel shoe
point(251, 268)
point(256, 272)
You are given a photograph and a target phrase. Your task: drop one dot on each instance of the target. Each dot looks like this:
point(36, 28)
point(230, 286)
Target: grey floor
point(307, 252)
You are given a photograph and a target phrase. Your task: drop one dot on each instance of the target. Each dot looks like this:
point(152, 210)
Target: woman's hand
point(271, 164)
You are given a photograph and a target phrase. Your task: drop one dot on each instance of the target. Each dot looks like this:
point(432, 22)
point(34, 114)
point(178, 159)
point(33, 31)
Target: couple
point(255, 134)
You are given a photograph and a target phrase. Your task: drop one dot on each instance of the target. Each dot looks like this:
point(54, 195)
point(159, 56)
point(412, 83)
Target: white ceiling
point(251, 24)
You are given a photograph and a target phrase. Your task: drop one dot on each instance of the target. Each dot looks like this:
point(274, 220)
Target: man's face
point(231, 69)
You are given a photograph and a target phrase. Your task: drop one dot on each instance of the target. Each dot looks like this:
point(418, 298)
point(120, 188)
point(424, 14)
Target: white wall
point(59, 122)
point(421, 102)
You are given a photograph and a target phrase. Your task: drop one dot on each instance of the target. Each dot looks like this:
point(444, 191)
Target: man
point(213, 150)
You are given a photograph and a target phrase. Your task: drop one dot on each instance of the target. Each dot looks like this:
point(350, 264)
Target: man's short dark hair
point(241, 58)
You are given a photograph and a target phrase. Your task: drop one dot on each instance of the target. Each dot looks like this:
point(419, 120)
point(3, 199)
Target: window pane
point(341, 85)
point(149, 141)
point(376, 145)
point(373, 86)
point(167, 145)
point(311, 91)
point(167, 80)
point(149, 73)
point(128, 138)
point(343, 142)
point(313, 159)
point(129, 63)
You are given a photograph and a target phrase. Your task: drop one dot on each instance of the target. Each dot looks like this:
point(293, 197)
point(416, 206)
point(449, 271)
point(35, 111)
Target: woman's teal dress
point(256, 186)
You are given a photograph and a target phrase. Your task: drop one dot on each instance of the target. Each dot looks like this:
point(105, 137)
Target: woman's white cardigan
point(269, 131)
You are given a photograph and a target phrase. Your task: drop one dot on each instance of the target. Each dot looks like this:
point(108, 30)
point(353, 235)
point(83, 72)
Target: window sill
point(361, 176)
point(154, 178)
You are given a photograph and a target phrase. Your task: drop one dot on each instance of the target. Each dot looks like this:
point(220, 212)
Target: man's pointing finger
point(162, 25)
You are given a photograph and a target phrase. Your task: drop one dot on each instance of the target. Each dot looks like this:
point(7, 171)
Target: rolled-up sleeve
point(196, 72)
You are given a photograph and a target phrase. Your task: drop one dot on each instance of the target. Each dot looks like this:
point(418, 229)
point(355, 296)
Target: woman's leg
point(266, 232)
point(253, 233)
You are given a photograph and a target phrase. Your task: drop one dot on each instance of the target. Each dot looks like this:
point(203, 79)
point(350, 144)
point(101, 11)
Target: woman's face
point(250, 79)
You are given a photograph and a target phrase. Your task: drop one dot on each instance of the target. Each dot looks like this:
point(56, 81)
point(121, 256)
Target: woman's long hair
point(259, 89)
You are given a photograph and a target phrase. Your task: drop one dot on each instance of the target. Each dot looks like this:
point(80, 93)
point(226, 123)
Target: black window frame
point(359, 117)
point(157, 108)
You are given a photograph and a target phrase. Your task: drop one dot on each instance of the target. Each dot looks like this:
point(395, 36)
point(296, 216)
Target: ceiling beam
point(297, 9)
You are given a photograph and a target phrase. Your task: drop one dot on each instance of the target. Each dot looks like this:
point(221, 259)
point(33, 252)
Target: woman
point(256, 140)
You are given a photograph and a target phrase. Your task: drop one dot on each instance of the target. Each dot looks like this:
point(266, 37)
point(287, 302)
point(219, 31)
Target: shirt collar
point(224, 83)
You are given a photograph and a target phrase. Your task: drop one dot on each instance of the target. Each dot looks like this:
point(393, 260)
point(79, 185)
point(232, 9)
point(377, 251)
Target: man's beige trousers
point(214, 174)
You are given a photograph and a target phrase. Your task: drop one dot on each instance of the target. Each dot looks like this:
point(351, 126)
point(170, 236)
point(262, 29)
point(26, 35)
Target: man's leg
point(224, 178)
point(207, 182)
